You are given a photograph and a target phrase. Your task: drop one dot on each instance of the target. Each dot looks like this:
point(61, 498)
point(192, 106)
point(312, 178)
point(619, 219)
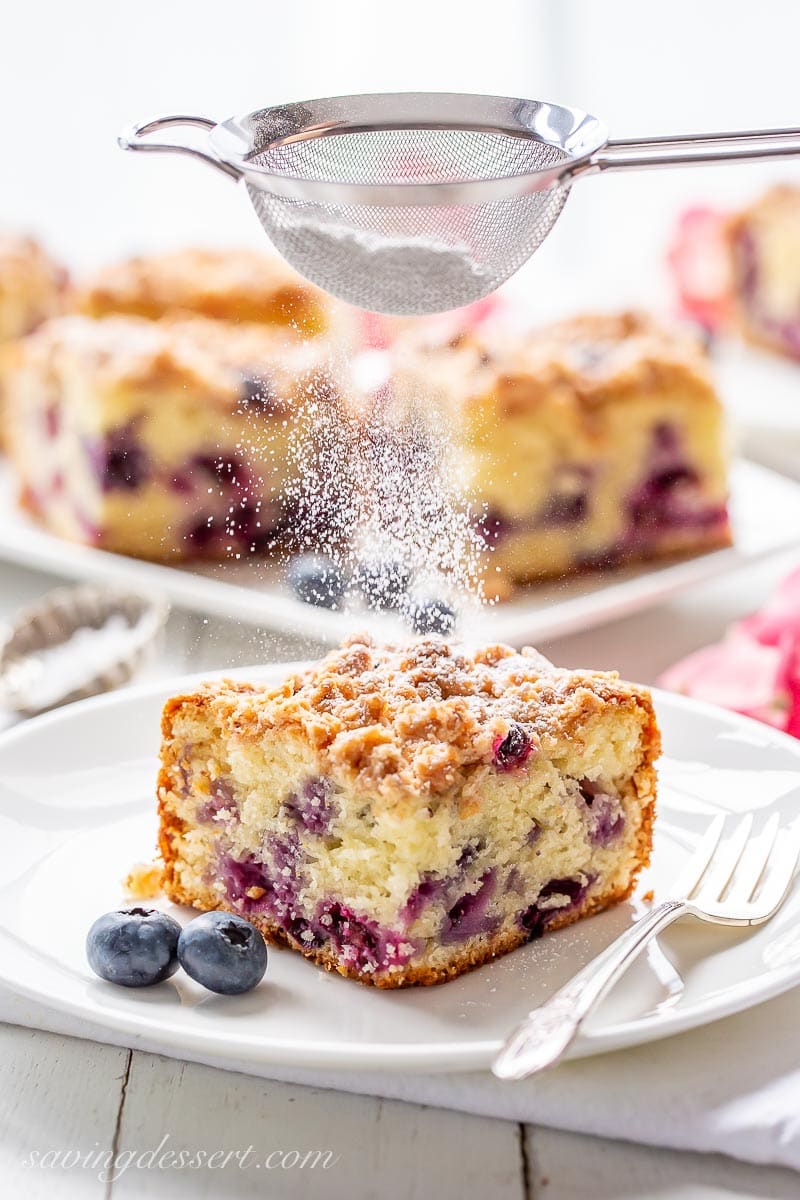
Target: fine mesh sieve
point(422, 202)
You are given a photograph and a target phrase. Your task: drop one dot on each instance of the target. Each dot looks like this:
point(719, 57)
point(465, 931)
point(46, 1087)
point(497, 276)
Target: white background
point(72, 74)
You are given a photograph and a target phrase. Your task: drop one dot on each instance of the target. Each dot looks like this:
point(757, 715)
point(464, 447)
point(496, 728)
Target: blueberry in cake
point(764, 241)
point(32, 288)
point(162, 439)
point(401, 814)
point(594, 442)
point(227, 284)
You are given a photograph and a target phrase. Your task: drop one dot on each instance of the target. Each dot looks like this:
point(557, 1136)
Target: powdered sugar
point(397, 265)
point(366, 483)
point(379, 487)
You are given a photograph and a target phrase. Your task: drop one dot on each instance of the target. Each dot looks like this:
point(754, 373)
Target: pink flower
point(780, 616)
point(738, 673)
point(700, 264)
point(755, 669)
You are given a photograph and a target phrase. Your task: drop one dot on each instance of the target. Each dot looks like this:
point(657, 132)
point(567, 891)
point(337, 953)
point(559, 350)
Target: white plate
point(765, 510)
point(77, 809)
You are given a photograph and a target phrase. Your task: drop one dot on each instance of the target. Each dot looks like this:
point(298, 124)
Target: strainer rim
point(232, 141)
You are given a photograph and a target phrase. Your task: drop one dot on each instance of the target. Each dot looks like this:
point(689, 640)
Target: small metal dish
point(77, 642)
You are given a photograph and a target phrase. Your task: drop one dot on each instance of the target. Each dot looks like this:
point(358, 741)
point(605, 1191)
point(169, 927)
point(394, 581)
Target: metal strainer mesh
point(408, 258)
point(415, 202)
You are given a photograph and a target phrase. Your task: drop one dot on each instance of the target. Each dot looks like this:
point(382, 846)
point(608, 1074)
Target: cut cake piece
point(226, 284)
point(401, 814)
point(162, 439)
point(33, 287)
point(591, 443)
point(764, 241)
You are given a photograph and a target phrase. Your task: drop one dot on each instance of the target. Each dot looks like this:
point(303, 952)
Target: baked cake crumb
point(144, 881)
point(402, 813)
point(587, 444)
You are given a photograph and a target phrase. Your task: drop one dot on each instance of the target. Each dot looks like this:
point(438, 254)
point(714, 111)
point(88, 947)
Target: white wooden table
point(58, 1093)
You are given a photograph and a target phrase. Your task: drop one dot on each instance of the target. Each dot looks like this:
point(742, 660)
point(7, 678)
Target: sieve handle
point(695, 149)
point(133, 137)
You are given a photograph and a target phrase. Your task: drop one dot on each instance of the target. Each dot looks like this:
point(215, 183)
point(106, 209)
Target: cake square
point(591, 443)
point(33, 287)
point(401, 814)
point(167, 439)
point(226, 284)
point(764, 242)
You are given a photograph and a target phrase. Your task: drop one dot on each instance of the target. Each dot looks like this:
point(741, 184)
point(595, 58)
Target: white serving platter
point(766, 520)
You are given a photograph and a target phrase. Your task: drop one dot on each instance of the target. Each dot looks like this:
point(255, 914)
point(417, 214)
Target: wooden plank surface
point(305, 1142)
point(59, 1099)
point(567, 1166)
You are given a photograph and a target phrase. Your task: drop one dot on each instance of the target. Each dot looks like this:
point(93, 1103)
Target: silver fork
point(741, 880)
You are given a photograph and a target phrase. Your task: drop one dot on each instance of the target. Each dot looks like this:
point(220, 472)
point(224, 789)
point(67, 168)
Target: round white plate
point(77, 810)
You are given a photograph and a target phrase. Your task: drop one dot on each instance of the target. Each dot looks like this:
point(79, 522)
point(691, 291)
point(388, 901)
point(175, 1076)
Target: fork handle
point(547, 1033)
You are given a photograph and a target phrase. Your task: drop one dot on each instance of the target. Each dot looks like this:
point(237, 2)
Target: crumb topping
point(231, 284)
point(144, 880)
point(778, 203)
point(587, 361)
point(412, 719)
point(195, 353)
point(33, 286)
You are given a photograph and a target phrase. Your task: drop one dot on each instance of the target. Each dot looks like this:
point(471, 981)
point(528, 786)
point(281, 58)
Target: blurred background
point(71, 76)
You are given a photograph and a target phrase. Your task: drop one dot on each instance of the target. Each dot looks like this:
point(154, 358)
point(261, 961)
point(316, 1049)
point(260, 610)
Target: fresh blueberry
point(223, 469)
point(317, 580)
point(383, 584)
point(432, 616)
point(512, 750)
point(201, 533)
point(125, 466)
point(259, 394)
point(225, 953)
point(134, 947)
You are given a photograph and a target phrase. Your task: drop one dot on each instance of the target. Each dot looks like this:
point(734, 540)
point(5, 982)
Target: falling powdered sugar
point(371, 480)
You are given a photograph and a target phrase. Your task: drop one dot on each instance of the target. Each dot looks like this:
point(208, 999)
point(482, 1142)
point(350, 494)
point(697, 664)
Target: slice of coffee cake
point(401, 814)
point(591, 443)
point(764, 241)
point(226, 284)
point(166, 440)
point(33, 287)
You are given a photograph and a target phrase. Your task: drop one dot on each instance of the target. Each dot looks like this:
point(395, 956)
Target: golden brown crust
point(584, 362)
point(192, 353)
point(777, 203)
point(232, 285)
point(33, 286)
point(403, 724)
point(777, 208)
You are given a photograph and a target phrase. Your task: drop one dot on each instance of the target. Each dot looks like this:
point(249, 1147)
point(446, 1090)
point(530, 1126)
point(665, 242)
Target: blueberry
point(259, 394)
point(512, 750)
point(383, 584)
point(223, 952)
point(224, 470)
point(123, 463)
point(317, 580)
point(432, 616)
point(134, 947)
